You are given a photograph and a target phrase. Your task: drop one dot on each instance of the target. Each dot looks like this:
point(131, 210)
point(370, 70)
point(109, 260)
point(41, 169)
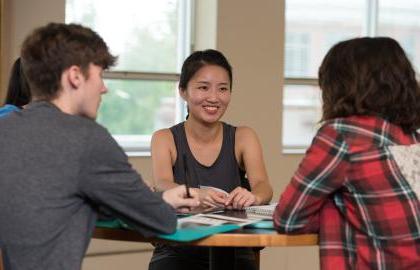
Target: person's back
point(376, 209)
point(51, 164)
point(44, 217)
point(353, 187)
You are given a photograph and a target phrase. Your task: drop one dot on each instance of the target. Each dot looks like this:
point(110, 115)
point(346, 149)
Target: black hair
point(199, 59)
point(18, 92)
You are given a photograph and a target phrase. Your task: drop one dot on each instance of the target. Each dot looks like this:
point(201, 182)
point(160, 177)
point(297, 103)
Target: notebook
point(261, 211)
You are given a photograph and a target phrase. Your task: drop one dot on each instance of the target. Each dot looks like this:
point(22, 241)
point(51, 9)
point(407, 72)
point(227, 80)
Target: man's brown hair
point(370, 76)
point(51, 49)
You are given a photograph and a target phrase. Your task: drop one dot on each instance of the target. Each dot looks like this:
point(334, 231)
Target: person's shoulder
point(95, 126)
point(354, 130)
point(88, 130)
point(245, 136)
point(162, 136)
point(167, 134)
point(333, 126)
point(96, 140)
point(245, 131)
point(163, 141)
point(46, 113)
point(162, 133)
point(82, 123)
point(353, 124)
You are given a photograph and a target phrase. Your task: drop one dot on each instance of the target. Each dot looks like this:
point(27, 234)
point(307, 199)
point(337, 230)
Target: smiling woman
point(219, 155)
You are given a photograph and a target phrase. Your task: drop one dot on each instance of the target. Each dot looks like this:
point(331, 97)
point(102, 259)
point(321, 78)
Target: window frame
point(139, 145)
point(370, 28)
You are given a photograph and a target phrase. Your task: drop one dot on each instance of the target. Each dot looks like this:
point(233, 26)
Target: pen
point(186, 180)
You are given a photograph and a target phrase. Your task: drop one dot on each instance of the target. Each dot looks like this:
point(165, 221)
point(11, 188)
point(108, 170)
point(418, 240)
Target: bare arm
point(249, 153)
point(163, 157)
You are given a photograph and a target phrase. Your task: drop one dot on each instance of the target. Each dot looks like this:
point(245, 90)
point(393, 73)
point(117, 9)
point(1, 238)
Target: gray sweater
point(55, 171)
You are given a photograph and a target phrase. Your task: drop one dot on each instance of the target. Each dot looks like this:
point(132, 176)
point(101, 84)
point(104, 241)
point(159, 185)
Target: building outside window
point(151, 40)
point(323, 23)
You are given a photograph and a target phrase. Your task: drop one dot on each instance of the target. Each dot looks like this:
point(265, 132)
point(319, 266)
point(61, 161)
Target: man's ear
point(75, 76)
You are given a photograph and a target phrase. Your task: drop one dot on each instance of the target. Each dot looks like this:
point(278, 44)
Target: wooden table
point(220, 244)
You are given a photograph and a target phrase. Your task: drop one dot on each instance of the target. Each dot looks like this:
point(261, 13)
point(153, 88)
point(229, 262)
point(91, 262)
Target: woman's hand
point(240, 198)
point(211, 198)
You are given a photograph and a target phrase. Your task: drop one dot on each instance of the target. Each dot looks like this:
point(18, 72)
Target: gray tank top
point(224, 173)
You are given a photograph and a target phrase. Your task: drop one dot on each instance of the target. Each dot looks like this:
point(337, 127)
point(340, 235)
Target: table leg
point(225, 258)
point(222, 258)
point(257, 258)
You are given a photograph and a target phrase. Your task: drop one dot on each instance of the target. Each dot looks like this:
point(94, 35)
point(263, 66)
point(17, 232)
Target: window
point(297, 50)
point(312, 27)
point(151, 40)
point(399, 19)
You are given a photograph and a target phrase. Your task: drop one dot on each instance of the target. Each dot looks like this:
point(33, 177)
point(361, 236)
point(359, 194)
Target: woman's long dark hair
point(370, 76)
point(18, 92)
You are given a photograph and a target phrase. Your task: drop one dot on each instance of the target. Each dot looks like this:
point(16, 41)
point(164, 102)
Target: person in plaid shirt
point(358, 185)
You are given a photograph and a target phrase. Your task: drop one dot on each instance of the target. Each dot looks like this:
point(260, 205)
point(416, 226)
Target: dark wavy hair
point(370, 76)
point(197, 60)
point(18, 92)
point(51, 49)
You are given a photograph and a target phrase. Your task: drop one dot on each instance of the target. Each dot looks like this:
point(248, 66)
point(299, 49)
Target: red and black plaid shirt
point(349, 189)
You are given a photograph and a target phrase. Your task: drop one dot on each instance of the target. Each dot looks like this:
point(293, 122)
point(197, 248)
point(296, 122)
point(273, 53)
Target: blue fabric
point(7, 109)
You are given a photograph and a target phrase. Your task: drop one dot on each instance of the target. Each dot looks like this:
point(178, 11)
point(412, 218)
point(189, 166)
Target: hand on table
point(240, 198)
point(177, 198)
point(211, 197)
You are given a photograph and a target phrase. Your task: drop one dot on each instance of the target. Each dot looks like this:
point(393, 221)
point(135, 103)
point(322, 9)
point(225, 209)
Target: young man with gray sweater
point(58, 166)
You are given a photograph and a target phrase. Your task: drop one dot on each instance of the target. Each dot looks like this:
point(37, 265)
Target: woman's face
point(208, 93)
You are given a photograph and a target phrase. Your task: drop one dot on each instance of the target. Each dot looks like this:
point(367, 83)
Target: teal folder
point(181, 235)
